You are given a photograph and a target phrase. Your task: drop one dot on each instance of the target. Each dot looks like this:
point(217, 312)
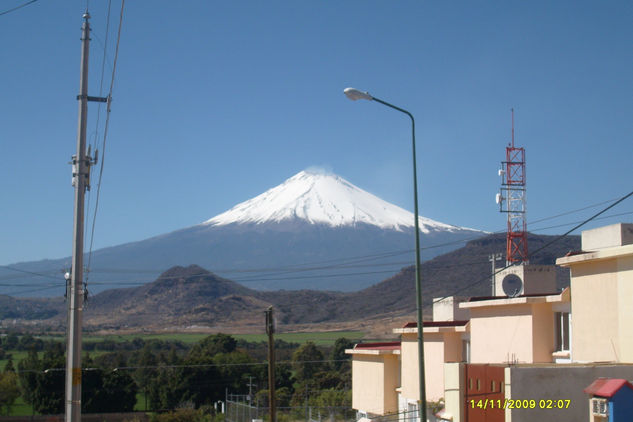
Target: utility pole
point(492, 258)
point(81, 181)
point(270, 330)
point(250, 390)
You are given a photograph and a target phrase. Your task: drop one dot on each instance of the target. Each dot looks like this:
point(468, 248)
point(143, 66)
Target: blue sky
point(215, 102)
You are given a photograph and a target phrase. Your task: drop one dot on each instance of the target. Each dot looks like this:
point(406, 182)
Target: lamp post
point(354, 94)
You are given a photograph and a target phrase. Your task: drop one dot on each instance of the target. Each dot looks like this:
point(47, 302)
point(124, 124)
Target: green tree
point(28, 368)
point(307, 361)
point(9, 390)
point(211, 366)
point(212, 345)
point(11, 341)
point(181, 415)
point(42, 380)
point(107, 391)
point(146, 373)
point(234, 369)
point(340, 360)
point(8, 367)
point(165, 391)
point(48, 397)
point(283, 396)
point(333, 401)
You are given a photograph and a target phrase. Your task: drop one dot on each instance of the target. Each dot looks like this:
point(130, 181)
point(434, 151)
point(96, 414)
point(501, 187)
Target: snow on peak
point(320, 197)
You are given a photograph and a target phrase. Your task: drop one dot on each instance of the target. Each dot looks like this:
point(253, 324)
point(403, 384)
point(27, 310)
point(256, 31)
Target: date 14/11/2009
point(519, 404)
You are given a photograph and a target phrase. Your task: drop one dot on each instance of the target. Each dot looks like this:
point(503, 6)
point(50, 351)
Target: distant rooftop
point(380, 348)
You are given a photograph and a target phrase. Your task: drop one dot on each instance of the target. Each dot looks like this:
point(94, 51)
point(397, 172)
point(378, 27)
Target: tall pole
point(354, 94)
point(270, 330)
point(418, 276)
point(81, 171)
point(492, 258)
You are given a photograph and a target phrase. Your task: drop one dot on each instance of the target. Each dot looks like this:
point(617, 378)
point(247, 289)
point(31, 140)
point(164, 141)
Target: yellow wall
point(625, 308)
point(522, 333)
point(452, 347)
point(374, 382)
point(542, 332)
point(594, 323)
point(501, 334)
point(438, 348)
point(409, 360)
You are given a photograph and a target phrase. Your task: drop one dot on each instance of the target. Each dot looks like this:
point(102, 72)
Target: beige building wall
point(625, 308)
point(602, 288)
point(542, 332)
point(501, 334)
point(594, 314)
point(409, 372)
point(514, 330)
point(374, 382)
point(454, 381)
point(453, 347)
point(434, 358)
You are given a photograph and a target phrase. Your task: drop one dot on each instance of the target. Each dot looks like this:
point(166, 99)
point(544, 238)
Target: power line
point(17, 7)
point(487, 278)
point(105, 131)
point(583, 223)
point(103, 62)
point(339, 260)
point(572, 211)
point(606, 217)
point(339, 263)
point(180, 366)
point(10, 268)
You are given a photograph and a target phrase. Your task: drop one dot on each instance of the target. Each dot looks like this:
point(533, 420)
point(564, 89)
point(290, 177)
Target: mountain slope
point(307, 233)
point(323, 198)
point(179, 297)
point(192, 296)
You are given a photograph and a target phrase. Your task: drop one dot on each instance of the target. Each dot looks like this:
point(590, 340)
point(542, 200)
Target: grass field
point(320, 338)
point(326, 338)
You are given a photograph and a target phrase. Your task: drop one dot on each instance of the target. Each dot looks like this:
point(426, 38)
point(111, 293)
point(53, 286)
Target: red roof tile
point(607, 387)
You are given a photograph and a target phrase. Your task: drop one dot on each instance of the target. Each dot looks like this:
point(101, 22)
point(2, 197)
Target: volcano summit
point(314, 231)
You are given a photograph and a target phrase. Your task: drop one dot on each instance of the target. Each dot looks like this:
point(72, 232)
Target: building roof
point(381, 348)
point(602, 254)
point(390, 345)
point(606, 387)
point(478, 302)
point(482, 298)
point(435, 327)
point(436, 324)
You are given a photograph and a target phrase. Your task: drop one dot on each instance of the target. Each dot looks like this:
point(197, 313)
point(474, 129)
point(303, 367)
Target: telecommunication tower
point(512, 200)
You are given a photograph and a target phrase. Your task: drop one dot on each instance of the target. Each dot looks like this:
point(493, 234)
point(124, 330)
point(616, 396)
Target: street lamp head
point(354, 94)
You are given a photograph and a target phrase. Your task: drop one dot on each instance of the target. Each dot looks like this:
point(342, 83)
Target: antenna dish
point(512, 285)
point(498, 198)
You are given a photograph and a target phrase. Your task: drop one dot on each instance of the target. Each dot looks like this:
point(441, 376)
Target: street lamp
point(354, 94)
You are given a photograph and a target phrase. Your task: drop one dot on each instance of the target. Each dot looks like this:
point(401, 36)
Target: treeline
point(172, 375)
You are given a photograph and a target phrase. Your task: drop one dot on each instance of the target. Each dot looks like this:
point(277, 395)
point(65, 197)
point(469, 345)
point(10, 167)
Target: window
point(561, 331)
point(412, 412)
point(599, 407)
point(466, 351)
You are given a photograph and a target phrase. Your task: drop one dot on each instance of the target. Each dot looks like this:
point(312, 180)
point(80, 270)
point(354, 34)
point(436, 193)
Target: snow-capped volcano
point(323, 198)
point(314, 231)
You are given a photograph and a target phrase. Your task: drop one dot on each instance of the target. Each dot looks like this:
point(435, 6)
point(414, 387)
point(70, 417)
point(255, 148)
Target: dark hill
point(192, 296)
point(463, 272)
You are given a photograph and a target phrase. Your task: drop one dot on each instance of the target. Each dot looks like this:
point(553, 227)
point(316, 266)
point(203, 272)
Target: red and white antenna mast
point(512, 200)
